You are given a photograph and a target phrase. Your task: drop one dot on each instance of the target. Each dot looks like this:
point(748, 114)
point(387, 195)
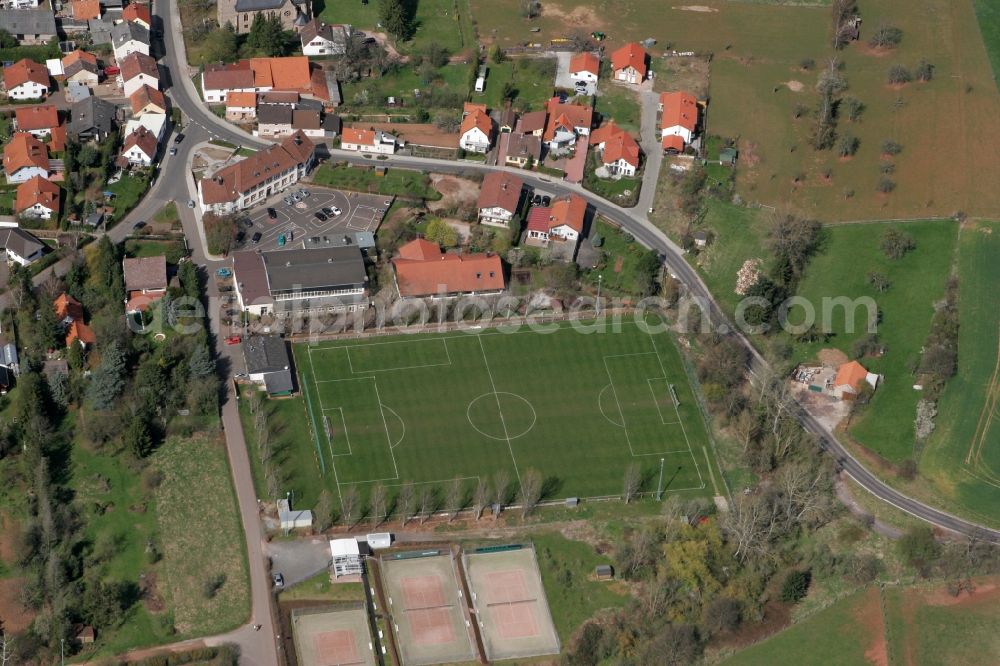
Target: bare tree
point(407, 501)
point(6, 647)
point(805, 492)
point(350, 504)
point(481, 496)
point(324, 511)
point(264, 444)
point(531, 491)
point(633, 479)
point(747, 428)
point(426, 502)
point(501, 486)
point(455, 498)
point(377, 500)
point(273, 482)
point(255, 401)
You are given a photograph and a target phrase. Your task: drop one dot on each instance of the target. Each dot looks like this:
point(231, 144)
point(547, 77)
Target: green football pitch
point(577, 407)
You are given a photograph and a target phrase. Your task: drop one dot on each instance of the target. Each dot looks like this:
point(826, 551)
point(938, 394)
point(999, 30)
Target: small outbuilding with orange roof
point(850, 380)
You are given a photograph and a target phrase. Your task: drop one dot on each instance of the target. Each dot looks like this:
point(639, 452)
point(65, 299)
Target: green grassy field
point(201, 537)
point(917, 281)
point(444, 22)
point(429, 408)
point(988, 14)
point(618, 103)
point(962, 433)
point(617, 279)
point(532, 79)
point(398, 182)
point(374, 93)
point(320, 588)
point(835, 636)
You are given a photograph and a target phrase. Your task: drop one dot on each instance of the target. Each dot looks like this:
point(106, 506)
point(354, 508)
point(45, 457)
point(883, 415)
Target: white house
point(25, 157)
point(477, 132)
point(619, 150)
point(129, 37)
point(562, 222)
point(138, 70)
point(499, 198)
point(346, 554)
point(38, 198)
point(140, 147)
point(584, 67)
point(320, 39)
point(678, 119)
point(26, 79)
point(21, 247)
point(368, 141)
point(628, 63)
point(154, 123)
point(566, 122)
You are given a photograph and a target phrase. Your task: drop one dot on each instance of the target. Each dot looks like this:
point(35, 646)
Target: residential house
point(499, 198)
point(584, 67)
point(309, 122)
point(39, 120)
point(69, 312)
point(268, 363)
point(140, 148)
point(37, 197)
point(147, 100)
point(279, 97)
point(274, 120)
point(562, 222)
point(476, 132)
point(137, 12)
point(127, 38)
point(319, 39)
point(520, 149)
point(850, 380)
point(145, 282)
point(154, 123)
point(138, 70)
point(282, 282)
point(619, 150)
point(85, 10)
point(241, 106)
point(566, 122)
point(629, 63)
point(29, 26)
point(26, 79)
point(332, 125)
point(92, 119)
point(678, 120)
point(368, 141)
point(289, 74)
point(423, 271)
point(218, 81)
point(82, 67)
point(252, 180)
point(532, 123)
point(25, 157)
point(21, 247)
point(294, 14)
point(507, 120)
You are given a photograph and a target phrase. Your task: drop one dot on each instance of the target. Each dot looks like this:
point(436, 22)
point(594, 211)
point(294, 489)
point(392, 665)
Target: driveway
point(649, 139)
point(564, 80)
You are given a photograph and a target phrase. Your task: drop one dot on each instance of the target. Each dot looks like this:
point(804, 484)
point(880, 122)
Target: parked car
point(536, 200)
point(138, 225)
point(278, 580)
point(281, 240)
point(288, 201)
point(190, 203)
point(255, 238)
point(234, 340)
point(296, 197)
point(173, 151)
point(337, 211)
point(178, 138)
point(248, 222)
point(273, 214)
point(303, 192)
point(239, 237)
point(327, 210)
point(320, 216)
point(546, 201)
point(387, 203)
point(224, 272)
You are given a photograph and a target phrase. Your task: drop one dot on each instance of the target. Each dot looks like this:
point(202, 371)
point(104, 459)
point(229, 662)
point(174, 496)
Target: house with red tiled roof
point(137, 12)
point(566, 122)
point(850, 380)
point(37, 197)
point(476, 132)
point(138, 70)
point(561, 222)
point(82, 67)
point(531, 123)
point(26, 79)
point(628, 63)
point(39, 120)
point(678, 120)
point(69, 312)
point(584, 67)
point(86, 10)
point(619, 150)
point(140, 147)
point(147, 100)
point(422, 270)
point(499, 198)
point(25, 157)
point(292, 74)
point(369, 141)
point(241, 106)
point(145, 282)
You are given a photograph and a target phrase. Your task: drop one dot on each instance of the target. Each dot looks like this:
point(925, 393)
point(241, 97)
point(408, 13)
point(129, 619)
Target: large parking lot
point(297, 221)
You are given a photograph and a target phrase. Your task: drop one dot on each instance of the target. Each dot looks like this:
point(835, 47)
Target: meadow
point(430, 408)
point(988, 14)
point(443, 22)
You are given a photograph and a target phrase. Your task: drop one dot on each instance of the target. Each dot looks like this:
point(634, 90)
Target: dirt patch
point(696, 8)
point(150, 593)
point(618, 264)
point(16, 617)
point(9, 529)
point(456, 192)
point(581, 16)
point(795, 86)
point(832, 357)
point(869, 618)
point(690, 73)
point(982, 593)
point(420, 134)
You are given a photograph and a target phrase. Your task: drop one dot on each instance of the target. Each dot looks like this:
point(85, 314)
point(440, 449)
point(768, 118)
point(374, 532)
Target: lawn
point(319, 588)
point(127, 192)
point(201, 537)
point(401, 83)
point(971, 488)
point(443, 22)
point(916, 282)
point(617, 278)
point(988, 14)
point(533, 81)
point(618, 103)
point(840, 635)
point(623, 192)
point(172, 250)
point(567, 569)
point(431, 408)
point(398, 182)
point(167, 214)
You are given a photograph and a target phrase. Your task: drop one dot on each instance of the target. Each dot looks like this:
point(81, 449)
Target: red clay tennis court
point(426, 608)
point(510, 603)
point(332, 636)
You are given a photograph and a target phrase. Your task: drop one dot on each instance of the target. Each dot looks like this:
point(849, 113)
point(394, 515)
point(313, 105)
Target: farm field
point(988, 14)
point(757, 83)
point(961, 460)
point(916, 281)
point(577, 408)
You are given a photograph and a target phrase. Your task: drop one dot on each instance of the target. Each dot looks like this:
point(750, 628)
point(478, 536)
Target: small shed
point(379, 540)
point(727, 156)
point(700, 238)
point(346, 557)
point(292, 519)
point(604, 572)
point(86, 635)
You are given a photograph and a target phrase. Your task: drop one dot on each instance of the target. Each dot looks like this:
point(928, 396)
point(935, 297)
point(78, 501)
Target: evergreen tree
point(187, 274)
point(59, 389)
point(396, 19)
point(137, 437)
point(108, 380)
point(200, 363)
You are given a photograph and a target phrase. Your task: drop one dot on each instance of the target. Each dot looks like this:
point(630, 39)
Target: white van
point(481, 84)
